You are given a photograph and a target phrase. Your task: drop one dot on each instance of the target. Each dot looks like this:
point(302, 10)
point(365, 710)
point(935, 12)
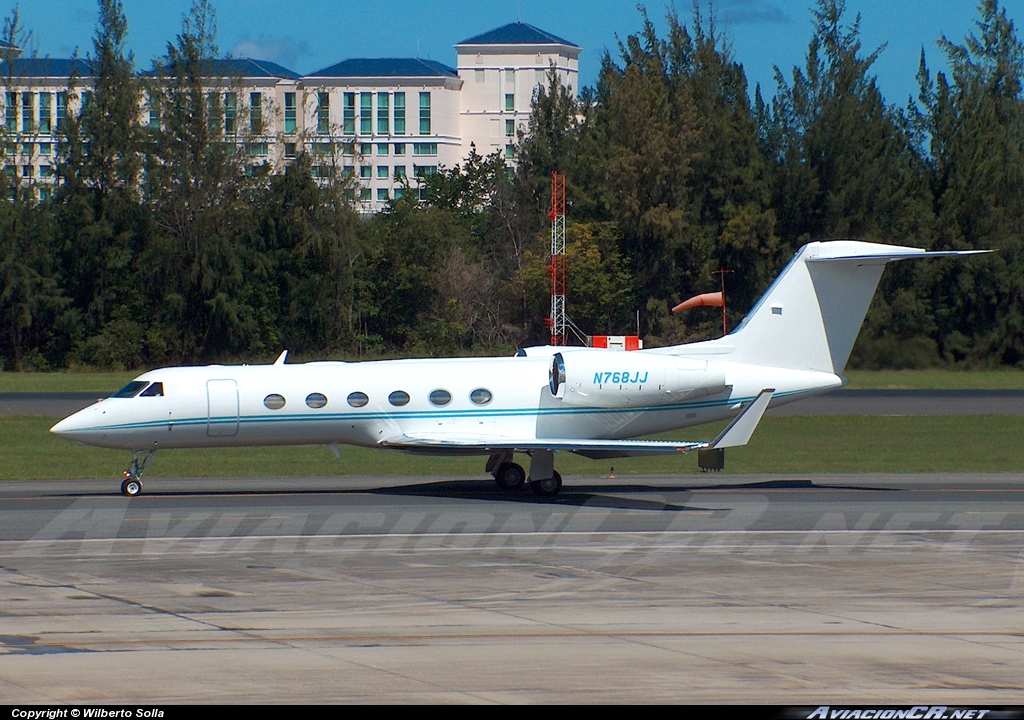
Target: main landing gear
point(132, 484)
point(510, 476)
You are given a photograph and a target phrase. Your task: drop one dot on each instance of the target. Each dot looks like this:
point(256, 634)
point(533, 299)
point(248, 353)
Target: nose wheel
point(131, 487)
point(132, 484)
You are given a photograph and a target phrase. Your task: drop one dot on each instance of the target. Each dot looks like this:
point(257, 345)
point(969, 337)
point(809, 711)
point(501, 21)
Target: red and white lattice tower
point(556, 261)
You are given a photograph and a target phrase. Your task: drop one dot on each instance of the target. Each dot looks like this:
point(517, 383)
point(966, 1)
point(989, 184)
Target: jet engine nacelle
point(621, 379)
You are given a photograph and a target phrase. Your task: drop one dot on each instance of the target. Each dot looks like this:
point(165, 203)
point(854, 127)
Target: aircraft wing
point(595, 449)
point(737, 433)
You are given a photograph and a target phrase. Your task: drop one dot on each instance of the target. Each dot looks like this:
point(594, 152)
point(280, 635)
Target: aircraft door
point(222, 408)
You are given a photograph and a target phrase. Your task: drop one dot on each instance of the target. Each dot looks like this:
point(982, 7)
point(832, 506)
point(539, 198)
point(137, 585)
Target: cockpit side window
point(131, 389)
point(154, 390)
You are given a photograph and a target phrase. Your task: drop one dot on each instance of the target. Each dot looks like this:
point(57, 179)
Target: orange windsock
point(706, 300)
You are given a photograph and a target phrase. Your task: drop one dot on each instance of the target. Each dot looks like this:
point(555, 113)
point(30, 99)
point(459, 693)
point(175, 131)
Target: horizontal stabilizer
point(742, 427)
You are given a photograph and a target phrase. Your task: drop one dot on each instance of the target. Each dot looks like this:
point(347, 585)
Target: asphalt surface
point(793, 590)
point(840, 402)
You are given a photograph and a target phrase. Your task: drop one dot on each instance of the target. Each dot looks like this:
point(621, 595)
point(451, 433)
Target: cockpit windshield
point(135, 387)
point(131, 389)
point(154, 390)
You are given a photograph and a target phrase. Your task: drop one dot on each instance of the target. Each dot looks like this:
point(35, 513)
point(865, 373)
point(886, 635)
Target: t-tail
point(810, 316)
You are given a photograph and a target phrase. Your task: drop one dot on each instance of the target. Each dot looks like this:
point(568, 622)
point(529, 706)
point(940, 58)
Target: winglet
point(742, 427)
point(281, 358)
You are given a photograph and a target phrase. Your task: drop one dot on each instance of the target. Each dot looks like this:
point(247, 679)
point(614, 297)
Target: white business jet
point(794, 343)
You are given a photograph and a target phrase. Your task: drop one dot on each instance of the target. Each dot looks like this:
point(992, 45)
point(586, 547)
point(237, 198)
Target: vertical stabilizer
point(810, 317)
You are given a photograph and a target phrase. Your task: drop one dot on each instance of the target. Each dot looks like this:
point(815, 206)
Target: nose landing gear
point(132, 484)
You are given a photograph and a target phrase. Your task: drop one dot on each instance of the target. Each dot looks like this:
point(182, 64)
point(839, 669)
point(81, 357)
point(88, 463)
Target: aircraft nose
point(70, 426)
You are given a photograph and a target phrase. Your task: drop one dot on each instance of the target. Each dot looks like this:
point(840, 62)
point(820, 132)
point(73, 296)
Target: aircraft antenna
point(556, 261)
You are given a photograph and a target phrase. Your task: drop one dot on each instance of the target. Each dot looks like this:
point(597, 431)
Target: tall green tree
point(203, 203)
point(975, 119)
point(103, 228)
point(846, 165)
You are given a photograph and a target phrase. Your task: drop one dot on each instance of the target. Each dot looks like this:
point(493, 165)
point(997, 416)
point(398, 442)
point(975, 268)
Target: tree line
point(164, 244)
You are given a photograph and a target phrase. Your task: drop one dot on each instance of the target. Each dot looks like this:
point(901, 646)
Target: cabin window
point(131, 389)
point(154, 390)
point(274, 401)
point(398, 398)
point(480, 396)
point(316, 400)
point(440, 397)
point(358, 399)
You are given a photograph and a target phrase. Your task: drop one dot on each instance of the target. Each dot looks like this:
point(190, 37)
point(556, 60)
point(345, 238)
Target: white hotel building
point(383, 121)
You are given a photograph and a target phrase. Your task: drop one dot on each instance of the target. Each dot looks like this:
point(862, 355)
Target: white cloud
point(284, 51)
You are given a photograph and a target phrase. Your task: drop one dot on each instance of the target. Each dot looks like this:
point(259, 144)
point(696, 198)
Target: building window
point(323, 113)
point(366, 149)
point(509, 152)
point(365, 113)
point(27, 170)
point(480, 76)
point(382, 148)
point(152, 102)
point(45, 115)
point(383, 110)
point(365, 171)
point(44, 148)
point(399, 172)
point(399, 148)
point(62, 109)
point(289, 150)
point(364, 194)
point(399, 193)
point(28, 112)
point(424, 171)
point(230, 113)
point(382, 171)
point(46, 171)
point(510, 128)
point(399, 113)
point(382, 194)
point(510, 102)
point(424, 149)
point(349, 114)
point(259, 149)
point(212, 111)
point(256, 113)
point(424, 113)
point(44, 194)
point(11, 112)
point(290, 114)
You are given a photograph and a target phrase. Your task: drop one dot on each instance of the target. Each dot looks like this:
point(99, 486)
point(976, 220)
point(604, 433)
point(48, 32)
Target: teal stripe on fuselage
point(427, 414)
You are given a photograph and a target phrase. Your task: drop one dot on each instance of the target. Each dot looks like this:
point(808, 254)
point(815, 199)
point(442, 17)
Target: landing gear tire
point(131, 487)
point(549, 487)
point(510, 476)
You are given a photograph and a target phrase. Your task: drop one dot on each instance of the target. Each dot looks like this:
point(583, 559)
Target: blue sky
point(306, 35)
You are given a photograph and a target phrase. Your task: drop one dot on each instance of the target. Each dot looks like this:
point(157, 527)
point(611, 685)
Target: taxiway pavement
point(740, 589)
